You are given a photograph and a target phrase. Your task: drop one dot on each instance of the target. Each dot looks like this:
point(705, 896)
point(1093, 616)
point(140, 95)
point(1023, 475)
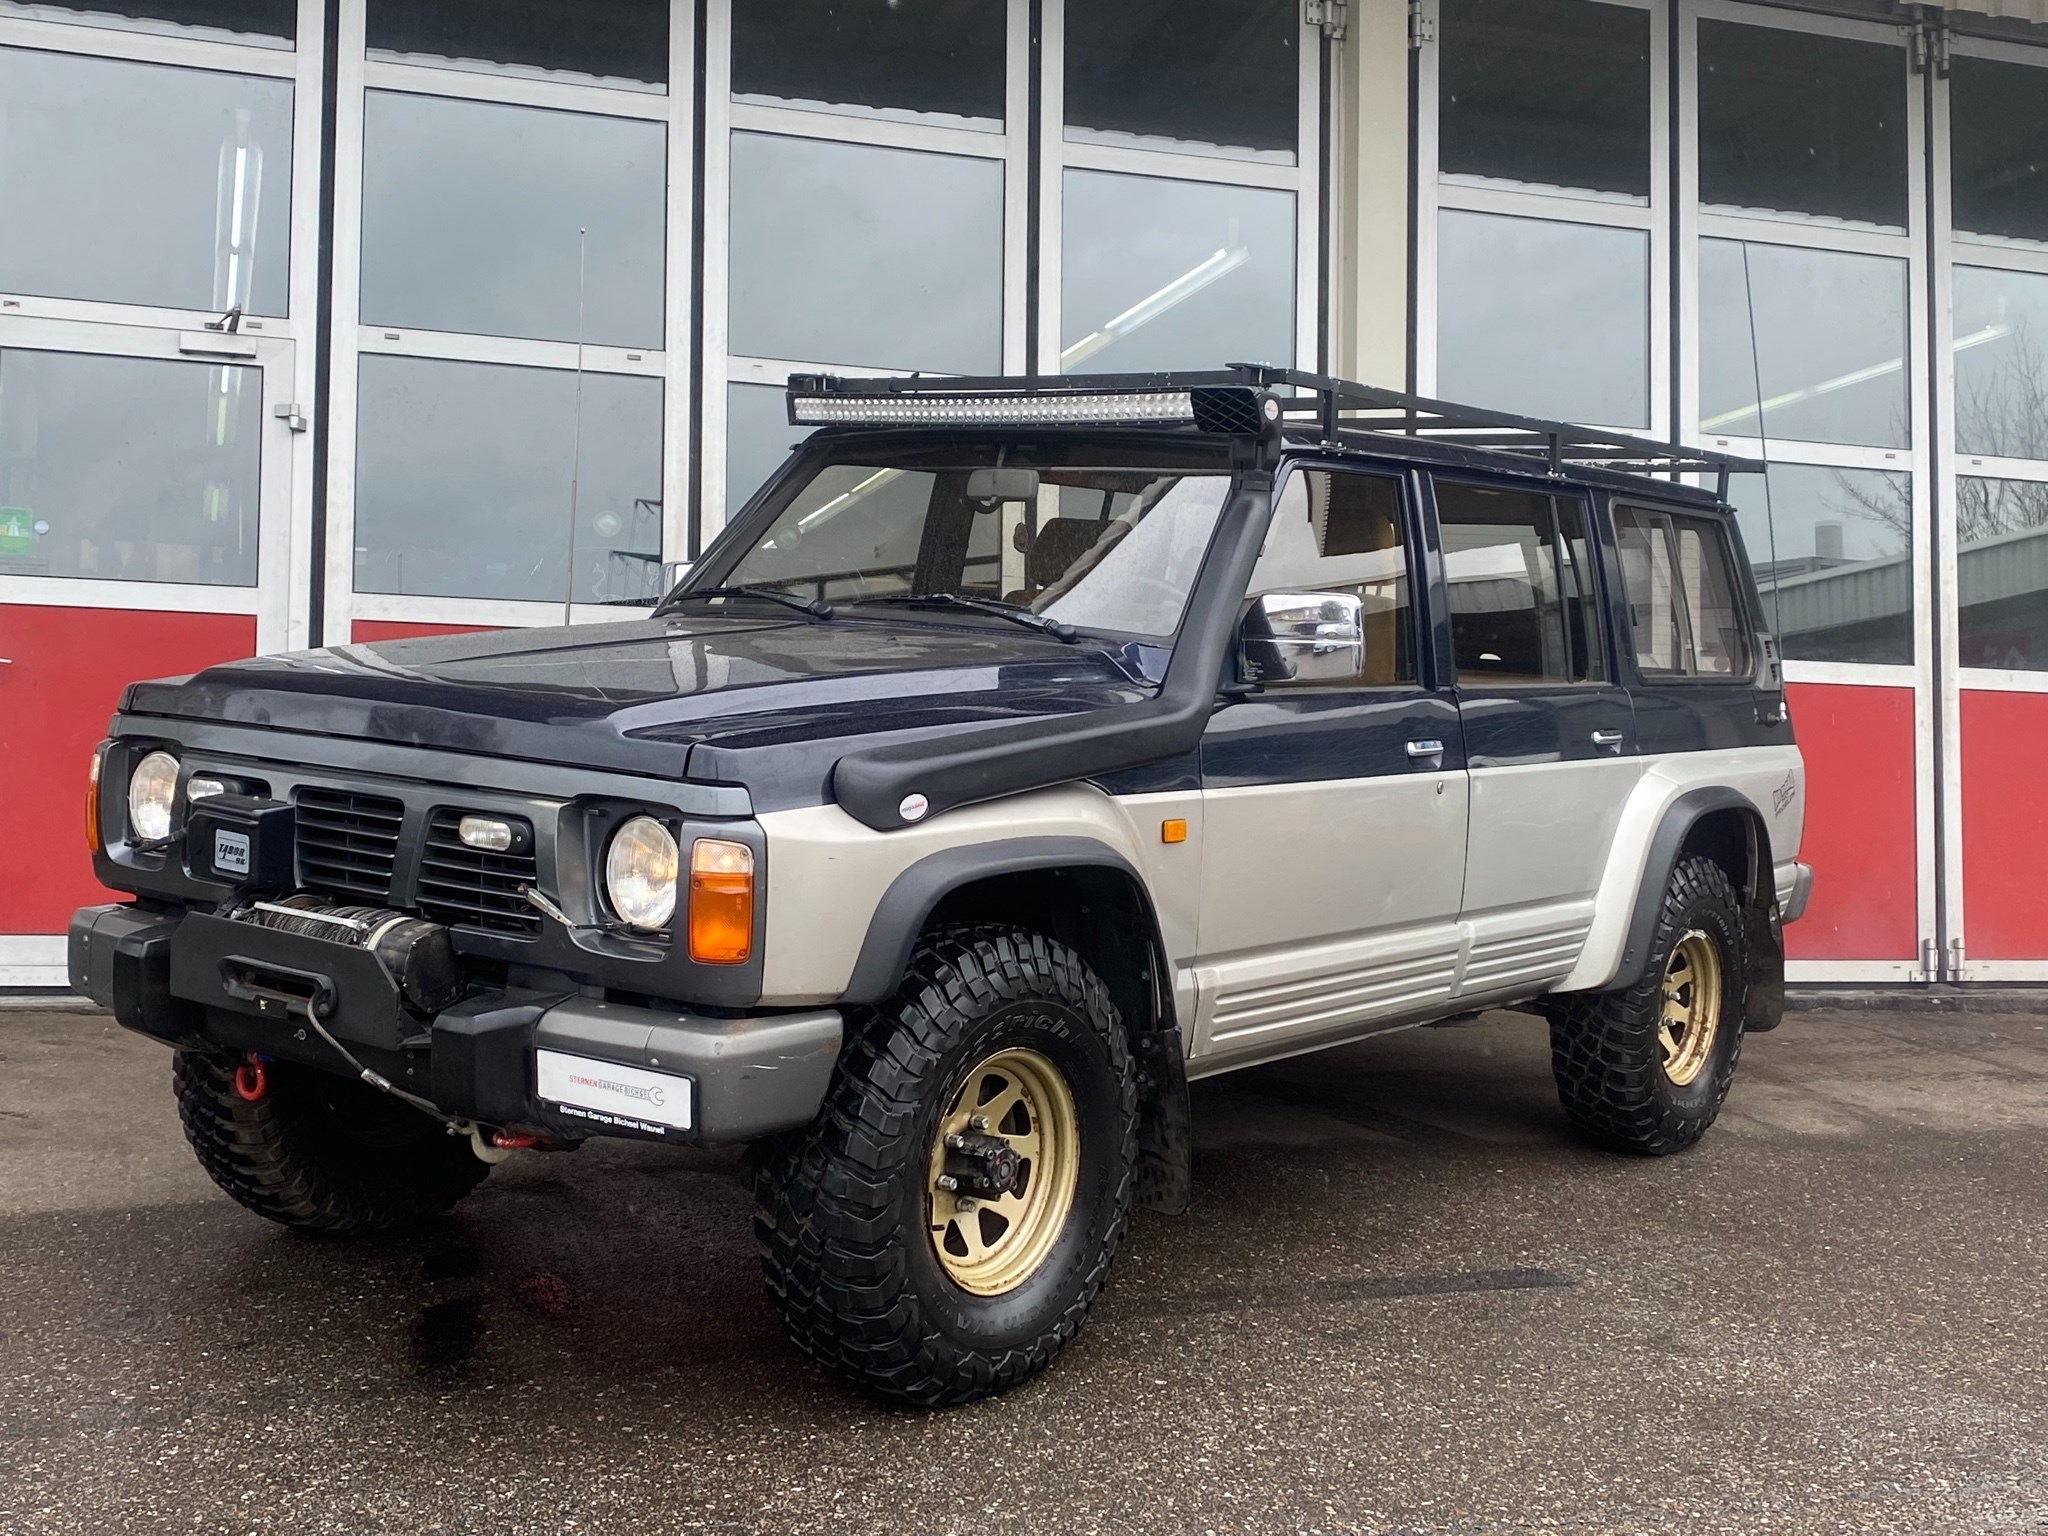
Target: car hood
point(769, 703)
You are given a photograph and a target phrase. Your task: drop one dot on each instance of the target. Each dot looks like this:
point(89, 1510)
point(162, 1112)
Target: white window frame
point(1303, 179)
point(1952, 250)
point(283, 349)
point(1908, 244)
point(1010, 147)
point(1436, 191)
point(357, 74)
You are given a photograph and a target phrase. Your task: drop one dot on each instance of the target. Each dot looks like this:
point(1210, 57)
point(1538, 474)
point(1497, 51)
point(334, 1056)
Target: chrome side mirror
point(1303, 637)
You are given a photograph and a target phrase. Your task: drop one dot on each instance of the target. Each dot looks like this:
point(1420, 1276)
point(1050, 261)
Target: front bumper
point(526, 1061)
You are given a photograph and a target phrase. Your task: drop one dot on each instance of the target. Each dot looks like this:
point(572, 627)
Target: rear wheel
point(938, 1233)
point(1646, 1068)
point(318, 1152)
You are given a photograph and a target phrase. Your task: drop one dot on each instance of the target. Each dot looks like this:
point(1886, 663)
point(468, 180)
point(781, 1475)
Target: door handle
point(1418, 750)
point(1607, 741)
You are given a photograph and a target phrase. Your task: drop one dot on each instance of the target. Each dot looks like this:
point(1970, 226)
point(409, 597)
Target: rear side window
point(1523, 611)
point(1679, 575)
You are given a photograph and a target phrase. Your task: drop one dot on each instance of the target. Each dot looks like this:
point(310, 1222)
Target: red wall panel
point(70, 665)
point(366, 631)
point(2005, 826)
point(1858, 744)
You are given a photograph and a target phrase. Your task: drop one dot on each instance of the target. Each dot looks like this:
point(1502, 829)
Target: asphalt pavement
point(1406, 1301)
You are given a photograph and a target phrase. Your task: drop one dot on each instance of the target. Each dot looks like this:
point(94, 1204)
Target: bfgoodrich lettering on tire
point(1647, 1068)
point(938, 1233)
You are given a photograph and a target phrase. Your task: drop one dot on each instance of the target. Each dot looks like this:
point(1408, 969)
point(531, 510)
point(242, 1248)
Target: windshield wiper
point(1002, 610)
point(816, 607)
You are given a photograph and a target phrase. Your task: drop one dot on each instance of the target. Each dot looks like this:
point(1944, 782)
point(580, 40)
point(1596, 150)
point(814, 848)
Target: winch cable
point(373, 1078)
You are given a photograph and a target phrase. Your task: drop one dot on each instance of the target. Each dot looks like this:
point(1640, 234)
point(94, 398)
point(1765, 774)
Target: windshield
point(1101, 537)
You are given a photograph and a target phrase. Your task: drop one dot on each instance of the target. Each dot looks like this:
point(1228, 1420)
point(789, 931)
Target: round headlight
point(640, 873)
point(151, 789)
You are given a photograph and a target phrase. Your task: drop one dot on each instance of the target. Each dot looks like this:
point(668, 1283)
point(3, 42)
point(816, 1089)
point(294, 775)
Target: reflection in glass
point(1998, 148)
point(848, 253)
point(471, 211)
point(1832, 549)
point(143, 184)
point(2001, 342)
point(758, 437)
point(1195, 76)
point(1791, 122)
point(1173, 274)
point(1543, 317)
point(2002, 573)
point(258, 23)
point(1104, 537)
point(920, 60)
point(1551, 92)
point(621, 43)
point(462, 481)
point(1830, 345)
point(129, 468)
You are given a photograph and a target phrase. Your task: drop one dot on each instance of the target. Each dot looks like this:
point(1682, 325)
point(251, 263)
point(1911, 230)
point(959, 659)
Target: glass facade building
point(318, 317)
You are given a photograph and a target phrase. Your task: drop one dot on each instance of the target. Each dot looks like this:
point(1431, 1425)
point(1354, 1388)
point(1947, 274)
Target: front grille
point(461, 884)
point(347, 842)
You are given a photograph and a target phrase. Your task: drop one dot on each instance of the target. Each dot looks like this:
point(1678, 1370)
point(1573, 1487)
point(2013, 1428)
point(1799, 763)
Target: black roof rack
point(1332, 408)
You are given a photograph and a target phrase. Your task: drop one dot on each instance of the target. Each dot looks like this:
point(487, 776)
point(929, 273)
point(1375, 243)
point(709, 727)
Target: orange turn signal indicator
point(92, 800)
point(721, 901)
point(1173, 830)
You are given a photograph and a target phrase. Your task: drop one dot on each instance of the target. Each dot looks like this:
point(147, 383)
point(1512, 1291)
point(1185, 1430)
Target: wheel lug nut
point(955, 1140)
point(979, 1122)
point(948, 1182)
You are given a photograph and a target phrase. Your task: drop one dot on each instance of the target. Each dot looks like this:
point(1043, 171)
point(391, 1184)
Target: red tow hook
point(513, 1141)
point(252, 1080)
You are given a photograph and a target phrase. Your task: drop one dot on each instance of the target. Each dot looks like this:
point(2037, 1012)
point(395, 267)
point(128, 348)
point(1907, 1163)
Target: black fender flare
point(911, 897)
point(1680, 817)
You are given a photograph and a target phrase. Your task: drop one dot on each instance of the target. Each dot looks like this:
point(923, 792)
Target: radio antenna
point(1763, 443)
point(576, 436)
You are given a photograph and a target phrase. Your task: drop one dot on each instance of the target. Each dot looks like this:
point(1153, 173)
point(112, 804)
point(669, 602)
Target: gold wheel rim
point(1692, 1007)
point(989, 1246)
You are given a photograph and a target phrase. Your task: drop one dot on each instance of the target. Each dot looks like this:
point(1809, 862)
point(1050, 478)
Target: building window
point(1544, 317)
point(1998, 149)
point(618, 43)
point(1833, 554)
point(257, 23)
point(132, 183)
point(1545, 212)
point(856, 253)
point(1803, 123)
point(1159, 273)
point(463, 482)
point(129, 468)
point(1546, 93)
point(476, 215)
point(939, 62)
point(1185, 186)
point(1802, 344)
point(1204, 77)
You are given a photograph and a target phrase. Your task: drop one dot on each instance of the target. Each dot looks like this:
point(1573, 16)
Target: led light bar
point(1027, 410)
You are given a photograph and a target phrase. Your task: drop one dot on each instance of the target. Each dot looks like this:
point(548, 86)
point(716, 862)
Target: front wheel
point(938, 1233)
point(1646, 1068)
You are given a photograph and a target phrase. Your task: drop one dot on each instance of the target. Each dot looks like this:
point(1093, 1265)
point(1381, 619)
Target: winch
point(417, 953)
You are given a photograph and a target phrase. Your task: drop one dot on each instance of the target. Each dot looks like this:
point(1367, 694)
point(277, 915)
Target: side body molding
point(911, 897)
point(1662, 811)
